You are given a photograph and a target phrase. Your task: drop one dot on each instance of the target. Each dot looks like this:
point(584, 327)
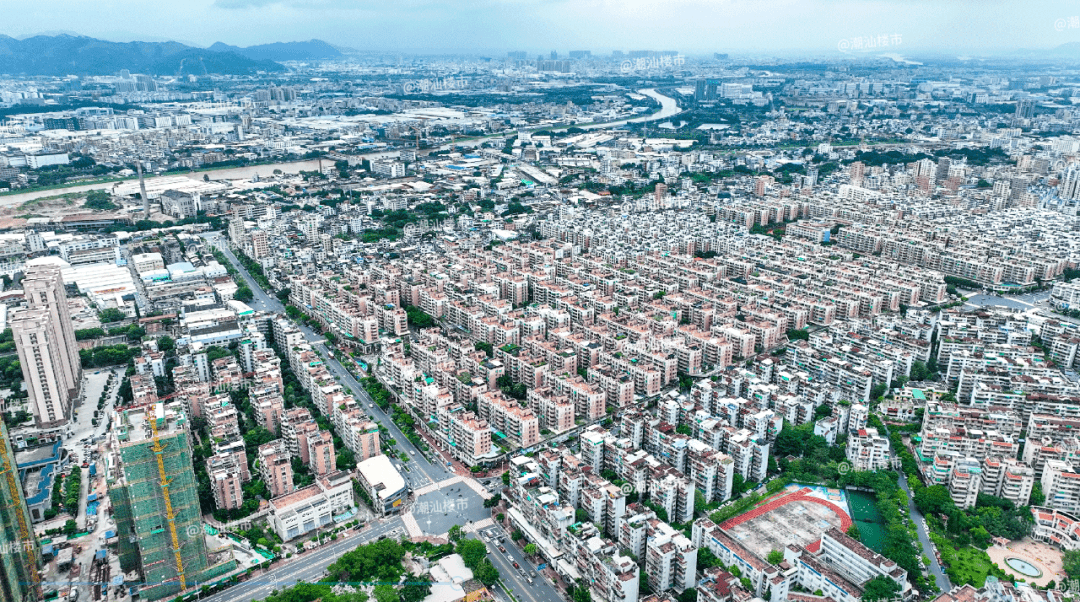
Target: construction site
point(161, 540)
point(20, 557)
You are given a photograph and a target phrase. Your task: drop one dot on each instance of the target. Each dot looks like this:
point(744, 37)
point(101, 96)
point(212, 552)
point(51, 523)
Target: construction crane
point(169, 516)
point(25, 535)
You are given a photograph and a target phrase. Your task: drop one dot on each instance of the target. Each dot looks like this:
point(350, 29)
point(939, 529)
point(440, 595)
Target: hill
point(312, 50)
point(78, 55)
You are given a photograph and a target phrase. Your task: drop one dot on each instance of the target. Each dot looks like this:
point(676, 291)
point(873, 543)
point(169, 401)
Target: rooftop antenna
point(142, 190)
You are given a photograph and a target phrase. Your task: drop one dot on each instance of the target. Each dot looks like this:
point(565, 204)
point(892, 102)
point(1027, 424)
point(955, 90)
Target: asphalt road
point(1021, 302)
point(540, 590)
point(431, 510)
point(940, 578)
point(307, 567)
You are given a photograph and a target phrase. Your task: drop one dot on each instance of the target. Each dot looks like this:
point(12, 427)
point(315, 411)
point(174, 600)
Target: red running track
point(800, 495)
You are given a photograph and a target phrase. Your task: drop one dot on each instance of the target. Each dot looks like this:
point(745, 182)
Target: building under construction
point(155, 503)
point(20, 555)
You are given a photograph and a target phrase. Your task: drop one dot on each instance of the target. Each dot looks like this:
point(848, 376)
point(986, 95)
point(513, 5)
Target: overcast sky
point(495, 26)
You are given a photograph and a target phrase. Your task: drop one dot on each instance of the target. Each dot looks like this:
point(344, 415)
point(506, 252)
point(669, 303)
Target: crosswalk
point(474, 527)
point(411, 526)
point(436, 486)
point(471, 483)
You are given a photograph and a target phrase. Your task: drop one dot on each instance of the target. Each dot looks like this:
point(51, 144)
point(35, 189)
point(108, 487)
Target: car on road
point(516, 565)
point(502, 549)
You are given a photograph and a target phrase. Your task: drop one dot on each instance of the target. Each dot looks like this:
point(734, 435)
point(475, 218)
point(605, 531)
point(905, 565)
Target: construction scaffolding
point(156, 502)
point(20, 560)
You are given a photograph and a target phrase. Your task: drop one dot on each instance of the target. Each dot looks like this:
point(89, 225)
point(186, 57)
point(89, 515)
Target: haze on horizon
point(812, 27)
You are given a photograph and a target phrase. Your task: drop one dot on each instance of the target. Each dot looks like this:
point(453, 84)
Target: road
point(540, 590)
point(429, 509)
point(1021, 302)
point(266, 302)
point(308, 567)
point(940, 578)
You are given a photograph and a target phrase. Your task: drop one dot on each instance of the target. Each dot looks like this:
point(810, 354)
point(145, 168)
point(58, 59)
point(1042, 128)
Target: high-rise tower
point(45, 339)
point(20, 558)
point(155, 502)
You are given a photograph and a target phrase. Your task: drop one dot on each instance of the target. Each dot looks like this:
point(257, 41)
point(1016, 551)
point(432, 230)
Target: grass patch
point(966, 565)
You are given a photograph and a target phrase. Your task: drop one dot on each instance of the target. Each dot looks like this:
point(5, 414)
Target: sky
point(814, 27)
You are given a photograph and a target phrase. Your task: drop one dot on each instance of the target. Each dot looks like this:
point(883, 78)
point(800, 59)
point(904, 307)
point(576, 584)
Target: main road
point(263, 301)
point(304, 568)
point(429, 511)
point(940, 578)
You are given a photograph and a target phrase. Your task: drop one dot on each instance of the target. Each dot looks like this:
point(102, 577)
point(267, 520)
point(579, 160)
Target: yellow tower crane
point(169, 516)
point(25, 537)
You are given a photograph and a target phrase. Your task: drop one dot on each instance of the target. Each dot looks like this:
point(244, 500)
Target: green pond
point(870, 522)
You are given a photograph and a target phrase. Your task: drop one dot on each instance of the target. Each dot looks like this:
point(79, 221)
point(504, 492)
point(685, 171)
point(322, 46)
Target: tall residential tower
point(45, 339)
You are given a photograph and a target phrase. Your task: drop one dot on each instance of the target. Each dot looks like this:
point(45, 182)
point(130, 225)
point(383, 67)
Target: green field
point(866, 516)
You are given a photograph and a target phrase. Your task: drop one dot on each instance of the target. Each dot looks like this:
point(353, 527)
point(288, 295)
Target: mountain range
point(65, 54)
point(312, 50)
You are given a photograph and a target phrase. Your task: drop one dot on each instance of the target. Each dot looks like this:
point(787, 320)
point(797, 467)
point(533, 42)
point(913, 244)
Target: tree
point(385, 592)
point(582, 593)
point(1038, 498)
point(853, 531)
point(472, 551)
point(581, 515)
point(70, 527)
point(99, 200)
point(166, 343)
point(415, 589)
point(798, 334)
point(530, 549)
point(880, 588)
point(243, 293)
point(111, 315)
point(486, 572)
point(455, 533)
point(418, 318)
point(775, 557)
point(506, 478)
point(1071, 563)
point(980, 537)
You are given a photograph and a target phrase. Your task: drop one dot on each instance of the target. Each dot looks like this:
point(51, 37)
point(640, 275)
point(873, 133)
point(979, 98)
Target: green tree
point(486, 572)
point(530, 549)
point(506, 478)
point(472, 551)
point(99, 200)
point(385, 592)
point(1071, 561)
point(880, 588)
point(111, 315)
point(582, 593)
point(775, 557)
point(166, 343)
point(455, 533)
point(415, 589)
point(243, 293)
point(853, 531)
